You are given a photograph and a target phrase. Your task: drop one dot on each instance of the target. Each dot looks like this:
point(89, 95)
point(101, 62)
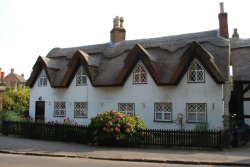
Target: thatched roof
point(240, 53)
point(166, 59)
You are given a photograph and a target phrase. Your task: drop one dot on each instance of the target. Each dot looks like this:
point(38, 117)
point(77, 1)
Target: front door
point(40, 109)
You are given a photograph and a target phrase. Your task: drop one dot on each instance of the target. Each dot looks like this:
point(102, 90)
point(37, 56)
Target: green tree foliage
point(16, 100)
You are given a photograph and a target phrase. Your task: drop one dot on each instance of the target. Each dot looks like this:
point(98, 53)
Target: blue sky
point(29, 28)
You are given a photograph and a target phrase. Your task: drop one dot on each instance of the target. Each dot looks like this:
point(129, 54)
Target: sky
point(31, 28)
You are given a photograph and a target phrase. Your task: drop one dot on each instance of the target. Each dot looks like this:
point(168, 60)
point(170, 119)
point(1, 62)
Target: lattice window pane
point(158, 116)
point(140, 74)
point(163, 111)
point(196, 72)
point(59, 109)
point(196, 112)
point(81, 109)
point(191, 117)
point(81, 77)
point(167, 116)
point(42, 81)
point(127, 108)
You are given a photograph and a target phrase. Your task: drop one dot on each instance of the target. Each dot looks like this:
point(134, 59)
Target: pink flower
point(127, 130)
point(117, 129)
point(119, 116)
point(112, 112)
point(117, 138)
point(76, 123)
point(137, 117)
point(128, 125)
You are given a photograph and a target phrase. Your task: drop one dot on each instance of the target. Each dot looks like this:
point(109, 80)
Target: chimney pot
point(12, 70)
point(221, 7)
point(22, 75)
point(121, 22)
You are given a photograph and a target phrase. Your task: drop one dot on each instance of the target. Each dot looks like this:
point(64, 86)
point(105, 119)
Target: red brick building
point(12, 80)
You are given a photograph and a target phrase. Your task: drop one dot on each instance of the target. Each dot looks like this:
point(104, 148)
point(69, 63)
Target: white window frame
point(125, 108)
point(194, 71)
point(195, 112)
point(140, 74)
point(81, 77)
point(163, 109)
point(80, 109)
point(59, 109)
point(43, 80)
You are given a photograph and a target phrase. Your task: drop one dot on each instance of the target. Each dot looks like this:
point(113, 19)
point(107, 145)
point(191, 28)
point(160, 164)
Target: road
point(12, 160)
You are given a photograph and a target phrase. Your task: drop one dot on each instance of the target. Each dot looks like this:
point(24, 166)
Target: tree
point(16, 100)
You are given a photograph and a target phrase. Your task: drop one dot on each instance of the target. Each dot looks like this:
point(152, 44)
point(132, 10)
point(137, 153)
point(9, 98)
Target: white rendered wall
point(102, 99)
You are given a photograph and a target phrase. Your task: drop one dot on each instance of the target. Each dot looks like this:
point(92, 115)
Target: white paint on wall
point(144, 96)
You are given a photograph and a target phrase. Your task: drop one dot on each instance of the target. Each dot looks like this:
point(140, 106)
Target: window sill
point(197, 122)
point(80, 117)
point(163, 121)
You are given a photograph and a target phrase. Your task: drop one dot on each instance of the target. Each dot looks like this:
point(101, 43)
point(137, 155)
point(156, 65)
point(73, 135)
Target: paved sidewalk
point(232, 156)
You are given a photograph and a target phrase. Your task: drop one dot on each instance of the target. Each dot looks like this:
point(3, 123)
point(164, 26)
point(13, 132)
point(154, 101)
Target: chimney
point(22, 75)
point(223, 22)
point(117, 34)
point(235, 34)
point(12, 70)
point(2, 75)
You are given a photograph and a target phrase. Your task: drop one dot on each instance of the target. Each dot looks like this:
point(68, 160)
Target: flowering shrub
point(28, 118)
point(66, 121)
point(114, 126)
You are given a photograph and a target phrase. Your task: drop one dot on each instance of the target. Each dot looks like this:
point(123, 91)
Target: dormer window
point(196, 72)
point(140, 74)
point(42, 81)
point(81, 77)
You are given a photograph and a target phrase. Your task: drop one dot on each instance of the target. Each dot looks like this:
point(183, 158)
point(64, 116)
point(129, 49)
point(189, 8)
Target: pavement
point(230, 157)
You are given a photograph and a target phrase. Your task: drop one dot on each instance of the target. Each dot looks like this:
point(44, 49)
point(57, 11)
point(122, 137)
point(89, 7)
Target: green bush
point(11, 116)
point(16, 99)
point(114, 126)
point(201, 127)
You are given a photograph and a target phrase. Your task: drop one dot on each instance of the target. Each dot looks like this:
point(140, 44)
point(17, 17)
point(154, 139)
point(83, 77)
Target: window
point(81, 77)
point(42, 81)
point(140, 74)
point(163, 111)
point(81, 109)
point(126, 108)
point(59, 109)
point(196, 112)
point(196, 72)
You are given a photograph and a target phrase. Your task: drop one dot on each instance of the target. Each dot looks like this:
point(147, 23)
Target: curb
point(127, 159)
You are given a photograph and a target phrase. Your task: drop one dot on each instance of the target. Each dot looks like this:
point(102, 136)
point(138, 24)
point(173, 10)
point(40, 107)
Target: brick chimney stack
point(235, 34)
point(223, 24)
point(2, 75)
point(118, 33)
